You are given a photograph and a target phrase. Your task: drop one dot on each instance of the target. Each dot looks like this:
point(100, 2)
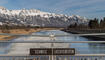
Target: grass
point(17, 31)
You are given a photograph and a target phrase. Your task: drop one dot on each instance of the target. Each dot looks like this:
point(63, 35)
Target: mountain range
point(36, 17)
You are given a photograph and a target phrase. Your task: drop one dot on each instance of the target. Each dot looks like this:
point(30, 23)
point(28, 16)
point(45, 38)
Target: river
point(23, 48)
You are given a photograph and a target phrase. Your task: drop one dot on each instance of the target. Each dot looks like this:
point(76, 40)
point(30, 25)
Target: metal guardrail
point(52, 41)
point(92, 34)
point(55, 58)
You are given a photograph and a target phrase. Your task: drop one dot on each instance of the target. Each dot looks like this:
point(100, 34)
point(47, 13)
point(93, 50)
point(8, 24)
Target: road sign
point(52, 51)
point(63, 51)
point(40, 51)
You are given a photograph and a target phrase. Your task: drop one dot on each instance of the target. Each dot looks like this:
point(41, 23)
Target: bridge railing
point(77, 56)
point(56, 57)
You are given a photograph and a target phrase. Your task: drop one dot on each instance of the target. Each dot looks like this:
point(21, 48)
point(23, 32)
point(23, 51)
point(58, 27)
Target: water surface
point(23, 48)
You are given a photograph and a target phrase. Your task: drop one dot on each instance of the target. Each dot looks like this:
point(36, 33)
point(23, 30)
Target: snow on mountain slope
point(36, 17)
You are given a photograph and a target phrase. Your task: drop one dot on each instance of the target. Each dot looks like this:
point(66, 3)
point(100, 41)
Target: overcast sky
point(86, 8)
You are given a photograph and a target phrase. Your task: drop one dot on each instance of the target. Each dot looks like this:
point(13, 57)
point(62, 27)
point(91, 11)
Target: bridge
point(53, 42)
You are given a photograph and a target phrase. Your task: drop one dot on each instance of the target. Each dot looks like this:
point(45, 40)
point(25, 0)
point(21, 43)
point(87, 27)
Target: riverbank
point(17, 31)
point(22, 31)
point(88, 31)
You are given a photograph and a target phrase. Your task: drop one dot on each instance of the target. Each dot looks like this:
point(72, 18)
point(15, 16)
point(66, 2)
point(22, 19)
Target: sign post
point(52, 52)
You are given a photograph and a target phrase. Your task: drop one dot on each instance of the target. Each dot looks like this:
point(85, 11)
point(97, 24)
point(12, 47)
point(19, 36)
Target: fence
point(55, 57)
point(77, 56)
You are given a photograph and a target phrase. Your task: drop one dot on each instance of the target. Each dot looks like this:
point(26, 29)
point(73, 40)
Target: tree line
point(97, 24)
point(92, 24)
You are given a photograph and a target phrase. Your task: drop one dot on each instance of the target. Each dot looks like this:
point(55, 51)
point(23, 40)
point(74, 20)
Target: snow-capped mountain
point(35, 17)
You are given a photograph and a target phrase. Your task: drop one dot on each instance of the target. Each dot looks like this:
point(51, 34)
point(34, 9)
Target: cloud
point(86, 8)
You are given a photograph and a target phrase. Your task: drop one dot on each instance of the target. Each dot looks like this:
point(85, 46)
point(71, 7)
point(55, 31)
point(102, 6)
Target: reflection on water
point(4, 48)
point(80, 47)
